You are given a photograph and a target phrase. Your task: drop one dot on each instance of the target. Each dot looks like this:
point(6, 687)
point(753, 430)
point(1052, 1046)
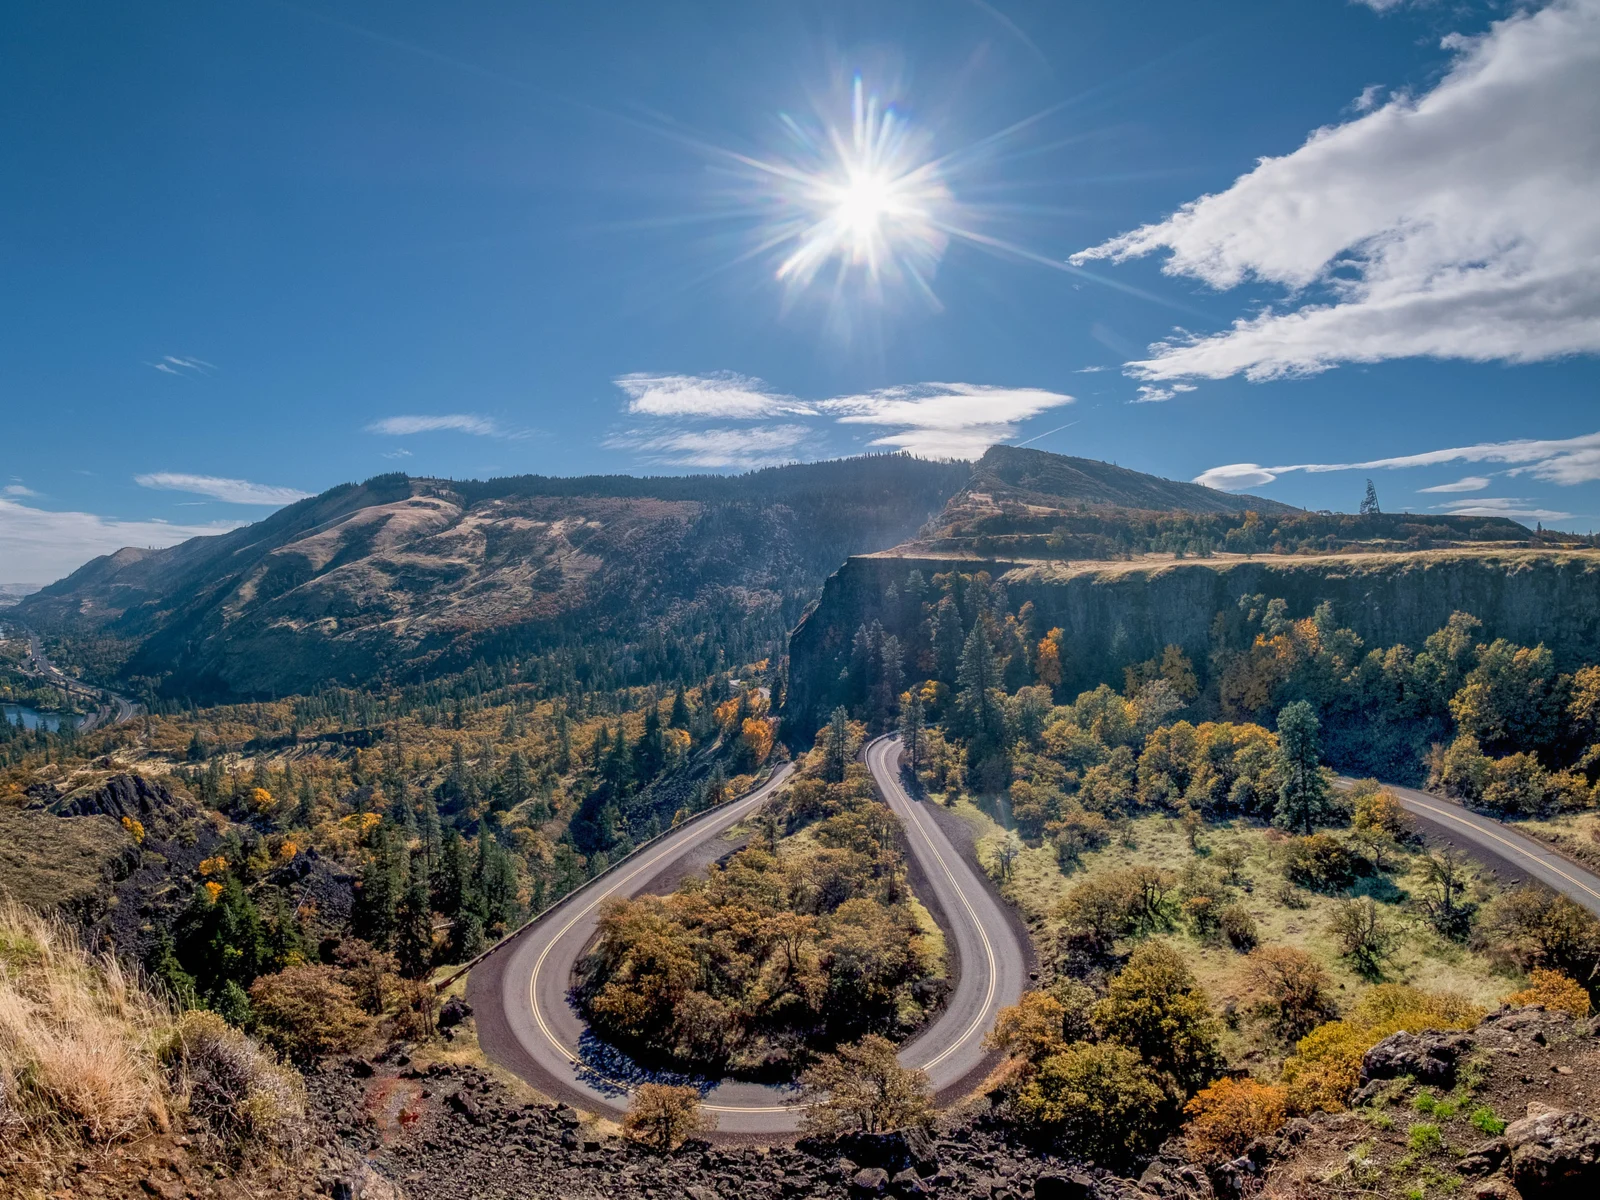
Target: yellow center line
point(1514, 847)
point(533, 978)
point(988, 948)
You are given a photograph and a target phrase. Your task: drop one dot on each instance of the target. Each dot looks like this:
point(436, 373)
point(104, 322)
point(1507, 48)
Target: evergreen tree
point(680, 709)
point(948, 639)
point(1303, 799)
point(913, 728)
point(413, 936)
point(837, 756)
point(1369, 502)
point(372, 914)
point(305, 805)
point(982, 715)
point(514, 781)
point(450, 883)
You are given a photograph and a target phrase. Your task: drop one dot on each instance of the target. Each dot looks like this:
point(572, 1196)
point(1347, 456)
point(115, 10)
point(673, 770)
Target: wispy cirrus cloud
point(232, 491)
point(1503, 506)
point(1150, 393)
point(436, 423)
point(1471, 483)
point(177, 364)
point(1565, 461)
point(1458, 224)
point(18, 489)
point(37, 544)
point(716, 449)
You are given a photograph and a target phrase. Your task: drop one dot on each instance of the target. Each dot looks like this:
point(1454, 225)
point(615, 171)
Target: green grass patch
point(1483, 1119)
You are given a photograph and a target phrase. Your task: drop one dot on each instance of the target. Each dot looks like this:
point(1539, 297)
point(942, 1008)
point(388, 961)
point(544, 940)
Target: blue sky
point(253, 250)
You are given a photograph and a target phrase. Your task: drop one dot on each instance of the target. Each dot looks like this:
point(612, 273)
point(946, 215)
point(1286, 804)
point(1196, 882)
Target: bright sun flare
point(865, 202)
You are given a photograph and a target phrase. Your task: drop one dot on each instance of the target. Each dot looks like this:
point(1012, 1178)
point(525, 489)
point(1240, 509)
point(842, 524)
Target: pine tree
point(982, 717)
point(413, 935)
point(450, 883)
point(372, 915)
point(1369, 502)
point(1303, 800)
point(838, 750)
point(680, 709)
point(912, 727)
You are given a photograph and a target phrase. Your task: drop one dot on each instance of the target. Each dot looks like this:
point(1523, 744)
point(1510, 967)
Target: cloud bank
point(1459, 224)
point(1567, 461)
point(233, 491)
point(934, 420)
point(36, 545)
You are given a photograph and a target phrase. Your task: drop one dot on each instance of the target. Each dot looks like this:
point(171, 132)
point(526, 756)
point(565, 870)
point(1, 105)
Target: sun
point(863, 201)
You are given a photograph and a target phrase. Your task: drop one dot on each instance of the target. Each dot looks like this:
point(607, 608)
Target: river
point(32, 718)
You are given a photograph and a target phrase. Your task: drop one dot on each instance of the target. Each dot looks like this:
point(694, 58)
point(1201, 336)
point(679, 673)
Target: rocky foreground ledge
point(446, 1132)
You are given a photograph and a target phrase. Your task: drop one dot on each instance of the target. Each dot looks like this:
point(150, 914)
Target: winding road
point(527, 1024)
point(1498, 844)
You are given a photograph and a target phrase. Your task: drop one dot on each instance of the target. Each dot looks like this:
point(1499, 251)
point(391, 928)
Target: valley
point(994, 805)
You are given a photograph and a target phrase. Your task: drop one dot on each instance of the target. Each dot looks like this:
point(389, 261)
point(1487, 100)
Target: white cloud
point(716, 449)
point(1381, 6)
point(1458, 224)
point(943, 420)
point(454, 422)
point(1368, 99)
point(1503, 506)
point(724, 395)
point(1237, 477)
point(1150, 393)
point(176, 364)
point(36, 544)
point(234, 491)
point(1565, 461)
point(1472, 483)
point(16, 489)
point(937, 420)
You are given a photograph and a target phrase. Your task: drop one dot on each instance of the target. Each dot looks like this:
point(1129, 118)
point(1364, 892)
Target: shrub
point(1101, 1100)
point(306, 1013)
point(1126, 904)
point(1239, 927)
point(1031, 1028)
point(1535, 927)
point(862, 1087)
point(1365, 935)
point(1555, 991)
point(1154, 1006)
point(244, 1099)
point(663, 1116)
point(1227, 1116)
point(1320, 862)
point(1326, 1065)
point(1378, 811)
point(1296, 988)
point(1516, 787)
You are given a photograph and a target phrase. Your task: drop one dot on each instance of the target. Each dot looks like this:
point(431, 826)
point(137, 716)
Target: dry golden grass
point(87, 1055)
point(76, 1035)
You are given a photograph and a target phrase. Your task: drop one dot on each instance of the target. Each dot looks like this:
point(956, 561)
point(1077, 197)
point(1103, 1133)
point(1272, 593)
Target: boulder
point(1484, 1158)
point(1072, 1185)
point(1554, 1152)
point(454, 1011)
point(1428, 1057)
point(908, 1183)
point(894, 1151)
point(869, 1181)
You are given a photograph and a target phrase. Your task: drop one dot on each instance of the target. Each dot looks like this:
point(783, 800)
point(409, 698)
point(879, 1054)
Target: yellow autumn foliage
point(1554, 990)
point(1326, 1065)
point(215, 865)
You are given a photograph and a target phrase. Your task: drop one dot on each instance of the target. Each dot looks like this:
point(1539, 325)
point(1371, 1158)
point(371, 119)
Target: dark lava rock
point(1428, 1057)
point(1485, 1159)
point(869, 1181)
point(454, 1011)
point(893, 1152)
point(1071, 1186)
point(1554, 1152)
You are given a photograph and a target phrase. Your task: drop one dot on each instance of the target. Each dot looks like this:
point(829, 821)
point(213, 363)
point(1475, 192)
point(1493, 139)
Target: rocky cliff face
point(1119, 613)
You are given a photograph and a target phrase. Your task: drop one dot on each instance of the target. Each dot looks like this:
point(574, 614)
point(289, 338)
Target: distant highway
point(1499, 844)
point(110, 708)
point(526, 1022)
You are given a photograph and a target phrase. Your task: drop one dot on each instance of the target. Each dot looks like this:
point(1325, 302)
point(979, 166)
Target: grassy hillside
point(591, 582)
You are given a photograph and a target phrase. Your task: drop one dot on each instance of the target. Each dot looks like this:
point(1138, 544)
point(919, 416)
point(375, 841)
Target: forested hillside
point(586, 583)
